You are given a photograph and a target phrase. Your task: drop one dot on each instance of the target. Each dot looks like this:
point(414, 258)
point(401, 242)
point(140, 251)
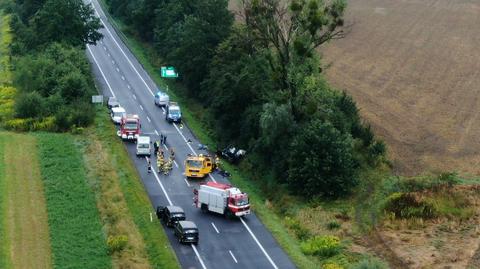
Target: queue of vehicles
point(209, 197)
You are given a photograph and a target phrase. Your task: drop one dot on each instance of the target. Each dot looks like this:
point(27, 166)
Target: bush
point(117, 243)
point(407, 205)
point(333, 225)
point(324, 246)
point(370, 264)
point(301, 232)
point(29, 105)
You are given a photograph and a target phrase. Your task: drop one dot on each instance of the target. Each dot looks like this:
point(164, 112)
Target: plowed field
point(413, 66)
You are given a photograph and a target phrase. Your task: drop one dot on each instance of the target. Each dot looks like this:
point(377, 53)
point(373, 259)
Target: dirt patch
point(414, 69)
point(27, 231)
point(439, 243)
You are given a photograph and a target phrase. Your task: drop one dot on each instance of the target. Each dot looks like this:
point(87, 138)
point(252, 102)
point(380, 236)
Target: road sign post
point(168, 72)
point(97, 99)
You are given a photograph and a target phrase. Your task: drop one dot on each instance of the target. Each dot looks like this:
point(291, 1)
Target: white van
point(143, 146)
point(161, 99)
point(117, 114)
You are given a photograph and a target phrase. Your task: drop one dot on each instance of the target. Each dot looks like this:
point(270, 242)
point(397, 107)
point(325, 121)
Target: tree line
point(50, 69)
point(260, 78)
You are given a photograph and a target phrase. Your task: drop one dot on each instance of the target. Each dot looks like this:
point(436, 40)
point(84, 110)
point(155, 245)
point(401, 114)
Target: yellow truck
point(198, 166)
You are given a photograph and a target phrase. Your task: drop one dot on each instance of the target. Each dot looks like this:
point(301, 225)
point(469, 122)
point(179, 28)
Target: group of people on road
point(163, 165)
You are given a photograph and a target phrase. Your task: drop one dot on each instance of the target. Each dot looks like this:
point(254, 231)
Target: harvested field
point(413, 67)
point(27, 240)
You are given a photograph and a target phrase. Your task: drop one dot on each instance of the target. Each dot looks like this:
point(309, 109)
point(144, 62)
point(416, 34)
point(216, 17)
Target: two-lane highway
point(224, 243)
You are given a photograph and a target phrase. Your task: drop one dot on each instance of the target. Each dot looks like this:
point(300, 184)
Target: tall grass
point(75, 230)
point(4, 257)
point(159, 251)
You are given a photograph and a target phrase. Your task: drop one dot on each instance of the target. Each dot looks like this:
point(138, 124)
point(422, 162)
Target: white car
point(161, 99)
point(143, 146)
point(117, 114)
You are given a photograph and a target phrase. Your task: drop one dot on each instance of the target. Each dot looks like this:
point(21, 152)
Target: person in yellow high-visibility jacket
point(160, 162)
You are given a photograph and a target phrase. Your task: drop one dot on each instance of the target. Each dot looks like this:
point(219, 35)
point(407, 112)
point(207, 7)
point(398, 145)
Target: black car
point(186, 232)
point(170, 214)
point(232, 154)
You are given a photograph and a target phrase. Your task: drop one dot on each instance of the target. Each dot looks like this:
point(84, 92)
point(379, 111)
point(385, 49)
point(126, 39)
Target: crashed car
point(232, 154)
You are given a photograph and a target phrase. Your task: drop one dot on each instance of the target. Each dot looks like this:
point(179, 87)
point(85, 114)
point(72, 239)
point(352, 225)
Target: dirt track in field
point(413, 66)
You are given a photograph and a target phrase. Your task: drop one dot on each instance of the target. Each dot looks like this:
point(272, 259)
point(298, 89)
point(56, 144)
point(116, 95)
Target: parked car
point(143, 146)
point(161, 99)
point(186, 232)
point(117, 114)
point(173, 113)
point(170, 214)
point(112, 102)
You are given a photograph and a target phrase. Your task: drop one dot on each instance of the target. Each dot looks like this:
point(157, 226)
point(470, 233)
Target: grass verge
point(76, 234)
point(137, 205)
point(4, 258)
point(27, 231)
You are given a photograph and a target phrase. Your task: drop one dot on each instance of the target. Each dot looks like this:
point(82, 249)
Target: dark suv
point(170, 214)
point(186, 232)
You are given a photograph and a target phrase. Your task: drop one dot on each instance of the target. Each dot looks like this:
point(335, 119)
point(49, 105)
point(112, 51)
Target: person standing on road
point(172, 154)
point(164, 139)
point(149, 165)
point(156, 146)
point(160, 162)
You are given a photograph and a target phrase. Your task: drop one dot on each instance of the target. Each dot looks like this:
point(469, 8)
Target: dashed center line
point(233, 257)
point(113, 62)
point(215, 227)
point(128, 86)
point(123, 78)
point(118, 70)
point(134, 96)
point(156, 132)
point(105, 48)
point(186, 181)
point(148, 119)
point(141, 107)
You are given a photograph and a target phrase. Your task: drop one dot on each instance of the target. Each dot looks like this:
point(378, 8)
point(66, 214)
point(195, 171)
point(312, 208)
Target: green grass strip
point(160, 253)
point(4, 257)
point(75, 230)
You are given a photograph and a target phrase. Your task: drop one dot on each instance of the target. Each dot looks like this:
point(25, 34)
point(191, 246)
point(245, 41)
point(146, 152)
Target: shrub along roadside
point(75, 230)
point(160, 254)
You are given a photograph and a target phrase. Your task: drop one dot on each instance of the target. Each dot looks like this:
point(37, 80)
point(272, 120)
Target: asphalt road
point(224, 243)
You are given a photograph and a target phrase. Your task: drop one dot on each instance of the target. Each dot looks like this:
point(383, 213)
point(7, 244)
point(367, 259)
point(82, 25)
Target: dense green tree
point(321, 161)
point(66, 21)
point(29, 105)
point(293, 29)
point(28, 8)
point(187, 34)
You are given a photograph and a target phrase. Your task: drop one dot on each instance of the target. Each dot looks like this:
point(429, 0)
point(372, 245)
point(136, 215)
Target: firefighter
point(156, 146)
point(217, 162)
point(160, 162)
point(160, 152)
point(167, 167)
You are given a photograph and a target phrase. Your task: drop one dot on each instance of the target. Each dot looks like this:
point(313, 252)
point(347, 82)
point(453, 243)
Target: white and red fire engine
point(221, 198)
point(130, 127)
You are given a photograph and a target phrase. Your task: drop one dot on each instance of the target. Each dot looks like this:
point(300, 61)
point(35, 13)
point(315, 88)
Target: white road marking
point(156, 132)
point(184, 139)
point(148, 119)
point(118, 70)
point(105, 48)
point(186, 181)
point(141, 107)
point(175, 162)
point(161, 185)
point(128, 86)
point(123, 78)
point(212, 178)
point(113, 62)
point(151, 218)
point(101, 71)
point(215, 227)
point(198, 255)
point(134, 96)
point(124, 54)
point(258, 243)
point(109, 55)
point(233, 257)
point(101, 42)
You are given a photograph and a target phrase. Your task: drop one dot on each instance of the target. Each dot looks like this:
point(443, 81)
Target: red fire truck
point(222, 198)
point(130, 127)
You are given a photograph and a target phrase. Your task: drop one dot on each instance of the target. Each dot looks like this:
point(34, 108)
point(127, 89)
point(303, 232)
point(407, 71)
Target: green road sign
point(168, 72)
